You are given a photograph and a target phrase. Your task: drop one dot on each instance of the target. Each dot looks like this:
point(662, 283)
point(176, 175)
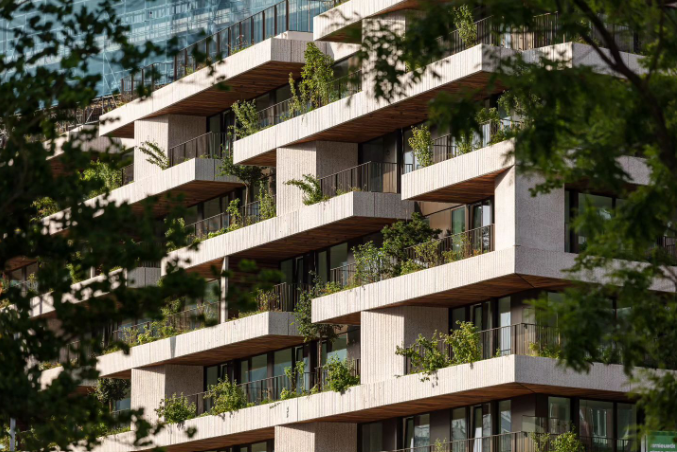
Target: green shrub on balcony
point(246, 119)
point(341, 374)
point(426, 355)
point(226, 396)
point(311, 188)
point(176, 409)
point(465, 344)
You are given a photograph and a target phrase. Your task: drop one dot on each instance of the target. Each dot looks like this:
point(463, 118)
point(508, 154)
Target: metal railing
point(288, 15)
point(182, 322)
point(270, 389)
point(520, 442)
point(669, 246)
point(452, 248)
point(521, 339)
point(282, 297)
point(371, 177)
point(545, 32)
point(446, 147)
point(536, 424)
point(153, 77)
point(341, 87)
point(247, 215)
point(127, 174)
point(424, 255)
point(208, 145)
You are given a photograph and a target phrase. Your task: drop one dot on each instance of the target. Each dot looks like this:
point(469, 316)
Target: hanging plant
point(465, 23)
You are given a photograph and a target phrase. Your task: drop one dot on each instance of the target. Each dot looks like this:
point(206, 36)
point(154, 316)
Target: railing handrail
point(193, 139)
point(451, 236)
point(352, 74)
point(187, 311)
point(354, 168)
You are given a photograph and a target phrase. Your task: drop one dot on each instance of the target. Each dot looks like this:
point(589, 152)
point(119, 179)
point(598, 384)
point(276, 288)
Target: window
point(626, 421)
point(596, 421)
point(559, 414)
point(576, 202)
point(371, 437)
point(459, 427)
point(416, 431)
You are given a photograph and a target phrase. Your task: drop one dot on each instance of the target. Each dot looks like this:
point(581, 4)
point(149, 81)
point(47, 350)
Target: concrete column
point(317, 437)
point(167, 131)
point(524, 220)
point(318, 158)
point(385, 329)
point(151, 385)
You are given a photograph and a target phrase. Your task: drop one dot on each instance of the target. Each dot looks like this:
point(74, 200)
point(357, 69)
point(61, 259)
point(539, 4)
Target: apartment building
point(495, 247)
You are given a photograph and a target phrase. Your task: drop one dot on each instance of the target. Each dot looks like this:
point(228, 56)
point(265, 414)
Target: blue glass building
point(154, 20)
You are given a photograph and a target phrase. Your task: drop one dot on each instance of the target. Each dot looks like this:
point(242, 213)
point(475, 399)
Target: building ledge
point(361, 117)
point(252, 72)
point(496, 378)
point(350, 215)
point(491, 275)
point(211, 345)
point(196, 179)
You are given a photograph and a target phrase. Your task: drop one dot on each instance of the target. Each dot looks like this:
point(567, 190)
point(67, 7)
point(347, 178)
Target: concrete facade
point(321, 242)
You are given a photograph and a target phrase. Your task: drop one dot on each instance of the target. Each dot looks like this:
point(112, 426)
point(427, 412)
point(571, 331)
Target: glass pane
point(459, 429)
point(487, 217)
point(191, 215)
point(476, 216)
point(626, 421)
point(422, 430)
point(596, 419)
point(457, 315)
point(458, 221)
point(338, 255)
point(287, 269)
point(409, 432)
point(322, 267)
point(215, 124)
point(567, 221)
point(504, 322)
point(259, 370)
point(442, 221)
point(212, 376)
point(372, 436)
point(506, 419)
point(244, 371)
point(259, 447)
point(282, 360)
point(339, 348)
point(212, 207)
point(559, 409)
point(603, 205)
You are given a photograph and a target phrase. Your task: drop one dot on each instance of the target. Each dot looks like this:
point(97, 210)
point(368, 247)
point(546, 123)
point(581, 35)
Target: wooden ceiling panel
point(465, 192)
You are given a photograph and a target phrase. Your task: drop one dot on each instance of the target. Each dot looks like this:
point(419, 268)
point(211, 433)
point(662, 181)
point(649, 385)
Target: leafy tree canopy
point(577, 122)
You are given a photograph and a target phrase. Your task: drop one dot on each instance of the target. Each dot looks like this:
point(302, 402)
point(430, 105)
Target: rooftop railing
point(521, 339)
point(209, 145)
point(375, 177)
point(288, 15)
point(340, 88)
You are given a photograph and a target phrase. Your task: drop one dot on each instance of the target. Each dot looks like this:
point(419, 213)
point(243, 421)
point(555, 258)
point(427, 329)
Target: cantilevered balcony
point(252, 57)
point(521, 339)
point(474, 242)
point(261, 392)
